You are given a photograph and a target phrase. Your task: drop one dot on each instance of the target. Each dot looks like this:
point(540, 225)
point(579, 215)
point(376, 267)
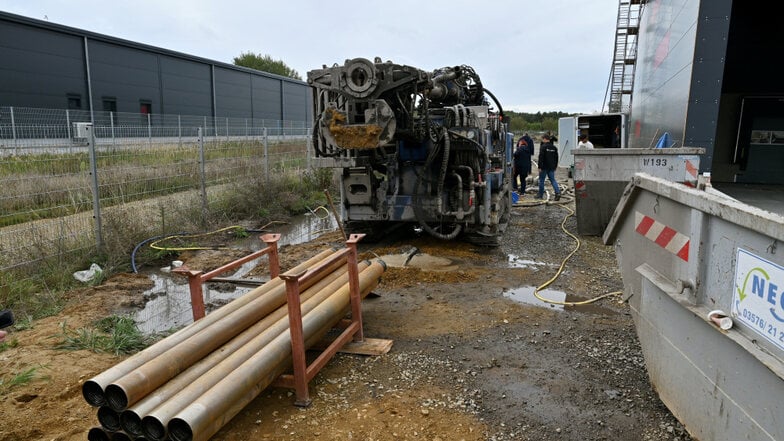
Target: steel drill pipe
point(213, 409)
point(137, 383)
point(131, 418)
point(121, 436)
point(93, 389)
point(98, 434)
point(155, 421)
point(109, 418)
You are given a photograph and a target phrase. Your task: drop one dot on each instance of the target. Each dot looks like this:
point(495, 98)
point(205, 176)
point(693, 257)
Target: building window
point(145, 107)
point(110, 106)
point(74, 101)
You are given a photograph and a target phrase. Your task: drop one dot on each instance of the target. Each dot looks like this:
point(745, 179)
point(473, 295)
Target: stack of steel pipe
point(140, 396)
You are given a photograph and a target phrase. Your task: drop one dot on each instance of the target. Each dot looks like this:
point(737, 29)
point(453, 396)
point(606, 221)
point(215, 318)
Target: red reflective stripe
point(691, 169)
point(665, 236)
point(645, 225)
point(684, 252)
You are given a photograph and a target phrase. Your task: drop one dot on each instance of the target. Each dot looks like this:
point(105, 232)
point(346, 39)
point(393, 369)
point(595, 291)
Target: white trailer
point(600, 129)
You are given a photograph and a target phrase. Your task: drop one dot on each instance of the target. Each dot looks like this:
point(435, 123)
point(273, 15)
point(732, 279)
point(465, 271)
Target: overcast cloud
point(532, 55)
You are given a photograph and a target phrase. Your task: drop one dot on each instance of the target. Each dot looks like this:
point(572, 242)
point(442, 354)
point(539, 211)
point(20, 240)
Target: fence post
point(179, 130)
point(95, 188)
point(308, 149)
point(227, 128)
point(203, 177)
point(13, 131)
point(247, 135)
point(149, 131)
point(266, 157)
point(68, 122)
point(111, 122)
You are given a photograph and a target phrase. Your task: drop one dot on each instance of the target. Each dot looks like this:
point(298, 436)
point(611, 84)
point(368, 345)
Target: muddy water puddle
point(416, 259)
point(168, 302)
point(556, 301)
point(514, 261)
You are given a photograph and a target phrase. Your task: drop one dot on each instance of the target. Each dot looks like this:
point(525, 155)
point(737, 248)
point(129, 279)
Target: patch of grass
point(28, 295)
point(6, 345)
point(11, 381)
point(114, 334)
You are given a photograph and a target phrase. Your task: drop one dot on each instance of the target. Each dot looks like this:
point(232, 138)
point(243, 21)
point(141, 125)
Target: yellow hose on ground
point(563, 265)
point(154, 245)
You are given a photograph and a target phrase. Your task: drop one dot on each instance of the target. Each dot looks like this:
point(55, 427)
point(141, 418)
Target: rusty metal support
point(150, 415)
point(130, 388)
point(302, 372)
point(196, 279)
point(353, 279)
point(214, 407)
point(93, 389)
point(297, 338)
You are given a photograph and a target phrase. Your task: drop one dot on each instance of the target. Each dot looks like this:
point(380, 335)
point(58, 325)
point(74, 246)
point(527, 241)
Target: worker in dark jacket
point(522, 164)
point(529, 141)
point(548, 162)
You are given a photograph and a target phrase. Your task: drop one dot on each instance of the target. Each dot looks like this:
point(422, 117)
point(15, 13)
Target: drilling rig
point(418, 148)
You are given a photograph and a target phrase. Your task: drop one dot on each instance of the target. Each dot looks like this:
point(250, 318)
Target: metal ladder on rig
point(621, 81)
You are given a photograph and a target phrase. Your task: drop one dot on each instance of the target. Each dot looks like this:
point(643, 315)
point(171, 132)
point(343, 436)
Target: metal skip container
point(600, 175)
point(704, 278)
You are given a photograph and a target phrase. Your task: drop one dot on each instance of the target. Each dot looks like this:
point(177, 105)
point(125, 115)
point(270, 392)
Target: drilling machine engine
point(414, 147)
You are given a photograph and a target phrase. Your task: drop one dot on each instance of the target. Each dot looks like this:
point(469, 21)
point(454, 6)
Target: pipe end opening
point(131, 422)
point(93, 393)
point(109, 419)
point(115, 398)
point(153, 429)
point(179, 430)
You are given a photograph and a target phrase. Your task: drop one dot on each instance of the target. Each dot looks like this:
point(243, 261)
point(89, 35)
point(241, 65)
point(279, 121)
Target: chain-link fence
point(71, 191)
point(23, 127)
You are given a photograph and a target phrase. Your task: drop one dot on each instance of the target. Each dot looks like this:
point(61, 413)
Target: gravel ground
point(473, 356)
point(471, 362)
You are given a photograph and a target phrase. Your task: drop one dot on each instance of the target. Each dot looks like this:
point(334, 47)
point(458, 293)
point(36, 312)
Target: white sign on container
point(758, 296)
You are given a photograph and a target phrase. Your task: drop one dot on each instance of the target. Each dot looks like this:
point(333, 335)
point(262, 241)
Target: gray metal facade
point(707, 76)
point(52, 66)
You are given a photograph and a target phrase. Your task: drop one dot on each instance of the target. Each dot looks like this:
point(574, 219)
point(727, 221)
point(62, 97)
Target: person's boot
point(558, 196)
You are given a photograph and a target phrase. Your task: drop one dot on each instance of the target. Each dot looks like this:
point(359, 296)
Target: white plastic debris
point(88, 275)
point(720, 318)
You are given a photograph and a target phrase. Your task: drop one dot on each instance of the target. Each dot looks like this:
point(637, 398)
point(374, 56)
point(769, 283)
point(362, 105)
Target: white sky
point(533, 55)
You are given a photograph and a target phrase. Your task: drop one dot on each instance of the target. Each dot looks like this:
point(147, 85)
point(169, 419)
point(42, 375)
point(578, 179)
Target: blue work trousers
point(550, 174)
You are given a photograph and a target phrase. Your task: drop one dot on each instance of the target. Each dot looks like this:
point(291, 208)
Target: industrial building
point(706, 76)
point(52, 66)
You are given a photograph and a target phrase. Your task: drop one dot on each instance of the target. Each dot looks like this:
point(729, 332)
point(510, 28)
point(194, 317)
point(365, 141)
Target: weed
point(8, 382)
point(114, 334)
point(9, 344)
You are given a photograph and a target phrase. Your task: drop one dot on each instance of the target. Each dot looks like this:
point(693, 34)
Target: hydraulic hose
point(418, 209)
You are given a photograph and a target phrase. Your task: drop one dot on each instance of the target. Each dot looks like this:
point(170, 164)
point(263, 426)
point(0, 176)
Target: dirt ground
point(470, 360)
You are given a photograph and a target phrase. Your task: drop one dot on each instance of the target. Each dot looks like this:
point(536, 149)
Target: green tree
point(266, 63)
